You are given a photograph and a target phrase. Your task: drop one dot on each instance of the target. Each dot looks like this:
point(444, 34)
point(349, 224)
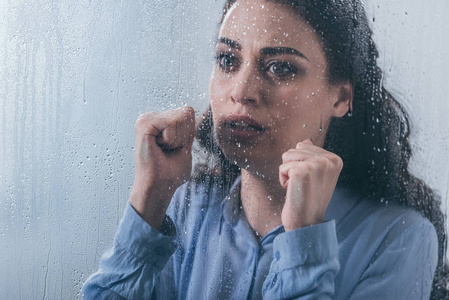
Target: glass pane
point(74, 77)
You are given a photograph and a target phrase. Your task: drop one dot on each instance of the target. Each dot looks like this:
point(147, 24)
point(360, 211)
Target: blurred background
point(75, 75)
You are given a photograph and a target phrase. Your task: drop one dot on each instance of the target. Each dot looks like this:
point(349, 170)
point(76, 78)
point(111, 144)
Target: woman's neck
point(262, 202)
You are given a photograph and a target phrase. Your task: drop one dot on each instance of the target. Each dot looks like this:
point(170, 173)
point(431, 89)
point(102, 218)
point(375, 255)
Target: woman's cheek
point(217, 100)
point(217, 94)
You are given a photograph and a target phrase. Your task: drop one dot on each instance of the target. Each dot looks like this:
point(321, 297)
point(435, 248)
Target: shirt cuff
point(145, 242)
point(309, 245)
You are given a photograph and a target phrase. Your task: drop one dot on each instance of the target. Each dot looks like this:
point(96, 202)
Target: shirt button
point(277, 255)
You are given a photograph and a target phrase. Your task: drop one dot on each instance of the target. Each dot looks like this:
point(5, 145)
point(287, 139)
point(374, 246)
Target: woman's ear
point(343, 102)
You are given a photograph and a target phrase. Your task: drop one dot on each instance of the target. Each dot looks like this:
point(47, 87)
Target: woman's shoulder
point(399, 225)
point(389, 216)
point(355, 210)
point(378, 225)
point(376, 237)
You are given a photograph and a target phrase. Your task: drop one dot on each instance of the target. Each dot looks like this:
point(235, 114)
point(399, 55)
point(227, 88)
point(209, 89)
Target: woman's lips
point(242, 127)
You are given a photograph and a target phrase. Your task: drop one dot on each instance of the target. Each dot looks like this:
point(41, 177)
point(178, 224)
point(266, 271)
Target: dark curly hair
point(372, 139)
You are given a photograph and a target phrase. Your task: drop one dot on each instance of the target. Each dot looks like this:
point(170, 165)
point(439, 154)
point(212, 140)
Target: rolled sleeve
point(130, 269)
point(305, 263)
point(145, 242)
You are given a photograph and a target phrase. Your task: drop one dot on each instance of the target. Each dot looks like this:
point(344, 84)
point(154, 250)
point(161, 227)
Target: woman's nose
point(246, 89)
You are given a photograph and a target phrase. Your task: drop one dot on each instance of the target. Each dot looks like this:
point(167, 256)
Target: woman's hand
point(163, 160)
point(309, 173)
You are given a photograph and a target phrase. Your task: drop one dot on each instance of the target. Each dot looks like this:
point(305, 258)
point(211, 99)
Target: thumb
point(308, 141)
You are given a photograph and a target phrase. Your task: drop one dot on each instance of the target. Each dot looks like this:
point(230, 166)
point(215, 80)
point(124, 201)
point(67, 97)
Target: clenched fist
point(163, 160)
point(309, 174)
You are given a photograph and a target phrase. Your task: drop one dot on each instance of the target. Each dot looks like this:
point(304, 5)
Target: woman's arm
point(163, 158)
point(305, 264)
point(131, 269)
point(306, 255)
point(397, 260)
point(163, 161)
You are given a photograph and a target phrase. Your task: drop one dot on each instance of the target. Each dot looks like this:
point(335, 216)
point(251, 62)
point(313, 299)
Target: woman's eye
point(226, 62)
point(281, 69)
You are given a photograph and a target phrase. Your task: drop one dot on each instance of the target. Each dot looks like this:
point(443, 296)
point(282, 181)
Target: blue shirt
point(207, 250)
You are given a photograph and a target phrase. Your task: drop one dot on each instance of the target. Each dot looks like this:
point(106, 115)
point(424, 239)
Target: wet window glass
point(223, 149)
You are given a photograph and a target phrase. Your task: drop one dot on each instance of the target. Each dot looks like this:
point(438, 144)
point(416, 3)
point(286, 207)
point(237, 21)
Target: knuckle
point(189, 111)
point(143, 118)
point(179, 119)
point(321, 159)
point(146, 122)
point(319, 163)
point(140, 122)
point(336, 160)
point(339, 162)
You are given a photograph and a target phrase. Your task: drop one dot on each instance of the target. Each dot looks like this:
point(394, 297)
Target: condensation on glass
point(74, 76)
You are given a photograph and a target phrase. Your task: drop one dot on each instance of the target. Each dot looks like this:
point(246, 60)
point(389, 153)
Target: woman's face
point(269, 88)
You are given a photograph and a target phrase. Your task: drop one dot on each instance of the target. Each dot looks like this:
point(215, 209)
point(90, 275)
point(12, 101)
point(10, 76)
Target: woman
point(295, 93)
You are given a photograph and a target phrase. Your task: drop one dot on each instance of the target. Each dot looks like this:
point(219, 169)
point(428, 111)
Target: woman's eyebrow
point(281, 50)
point(230, 43)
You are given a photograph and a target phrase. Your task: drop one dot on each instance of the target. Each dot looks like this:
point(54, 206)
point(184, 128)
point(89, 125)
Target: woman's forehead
point(267, 24)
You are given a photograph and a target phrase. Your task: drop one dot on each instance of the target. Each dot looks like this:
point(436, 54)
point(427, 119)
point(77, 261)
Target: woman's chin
point(253, 159)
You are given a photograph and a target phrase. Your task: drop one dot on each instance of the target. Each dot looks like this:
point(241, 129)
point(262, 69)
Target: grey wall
point(74, 76)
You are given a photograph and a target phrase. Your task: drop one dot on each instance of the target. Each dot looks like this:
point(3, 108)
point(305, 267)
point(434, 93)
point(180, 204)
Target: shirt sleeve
point(305, 264)
point(131, 268)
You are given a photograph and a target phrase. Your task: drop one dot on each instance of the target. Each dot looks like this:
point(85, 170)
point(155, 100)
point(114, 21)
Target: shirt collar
point(234, 215)
point(232, 207)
